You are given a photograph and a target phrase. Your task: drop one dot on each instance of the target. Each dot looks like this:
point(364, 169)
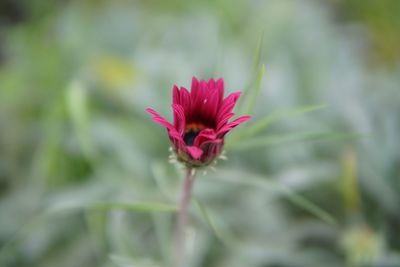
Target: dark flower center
point(191, 132)
point(189, 137)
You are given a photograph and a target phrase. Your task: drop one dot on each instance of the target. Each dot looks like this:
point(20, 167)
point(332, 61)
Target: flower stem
point(182, 221)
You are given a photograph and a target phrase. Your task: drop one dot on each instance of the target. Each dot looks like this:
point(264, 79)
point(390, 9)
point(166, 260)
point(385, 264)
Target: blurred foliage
point(383, 23)
point(312, 180)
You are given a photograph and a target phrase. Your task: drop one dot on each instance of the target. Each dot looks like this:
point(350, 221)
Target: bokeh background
point(312, 180)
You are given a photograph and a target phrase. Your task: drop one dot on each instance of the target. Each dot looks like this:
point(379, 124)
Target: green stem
point(182, 221)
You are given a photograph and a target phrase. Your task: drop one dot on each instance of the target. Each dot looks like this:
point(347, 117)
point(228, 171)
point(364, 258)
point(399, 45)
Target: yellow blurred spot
point(114, 72)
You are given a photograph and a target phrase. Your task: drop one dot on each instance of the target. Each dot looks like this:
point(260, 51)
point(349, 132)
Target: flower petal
point(157, 118)
point(228, 104)
point(204, 136)
point(220, 89)
point(211, 149)
point(178, 143)
point(194, 152)
point(212, 104)
point(212, 142)
point(185, 100)
point(174, 136)
point(201, 99)
point(232, 125)
point(175, 95)
point(211, 83)
point(224, 120)
point(194, 89)
point(179, 118)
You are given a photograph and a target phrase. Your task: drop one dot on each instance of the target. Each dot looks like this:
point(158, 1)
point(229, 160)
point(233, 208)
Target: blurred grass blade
point(125, 261)
point(206, 216)
point(163, 225)
point(261, 142)
point(348, 182)
point(163, 181)
point(78, 108)
point(139, 206)
point(31, 225)
point(263, 123)
point(267, 185)
point(253, 98)
point(121, 261)
point(309, 206)
point(258, 52)
point(12, 243)
point(129, 206)
point(254, 73)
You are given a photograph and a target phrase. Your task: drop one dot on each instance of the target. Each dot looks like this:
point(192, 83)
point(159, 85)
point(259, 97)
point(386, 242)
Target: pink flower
point(200, 121)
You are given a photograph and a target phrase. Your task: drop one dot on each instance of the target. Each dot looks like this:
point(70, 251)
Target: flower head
point(201, 121)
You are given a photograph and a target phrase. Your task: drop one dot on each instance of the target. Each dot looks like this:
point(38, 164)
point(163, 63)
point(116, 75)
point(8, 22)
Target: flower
point(200, 121)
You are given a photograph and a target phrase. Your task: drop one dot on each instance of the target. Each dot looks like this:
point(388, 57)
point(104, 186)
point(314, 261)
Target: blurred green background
point(312, 180)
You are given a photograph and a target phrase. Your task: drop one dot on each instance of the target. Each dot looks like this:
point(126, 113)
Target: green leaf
point(163, 225)
point(263, 123)
point(125, 261)
point(258, 52)
point(11, 244)
point(78, 108)
point(30, 226)
point(252, 101)
point(268, 185)
point(255, 73)
point(206, 216)
point(261, 142)
point(129, 206)
point(163, 181)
